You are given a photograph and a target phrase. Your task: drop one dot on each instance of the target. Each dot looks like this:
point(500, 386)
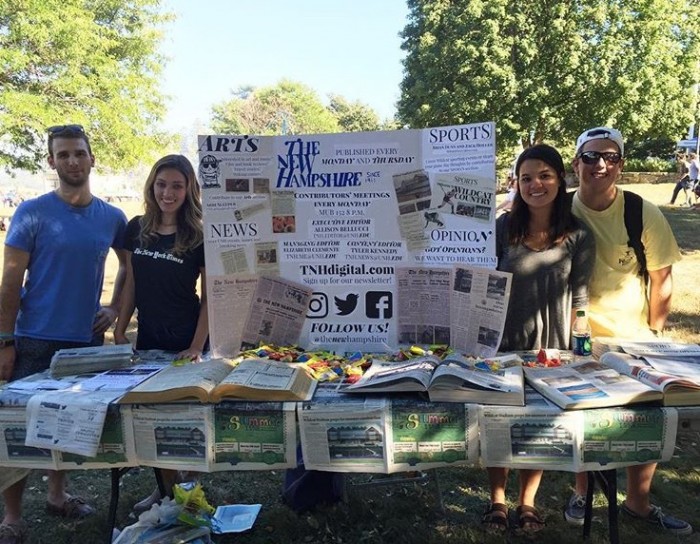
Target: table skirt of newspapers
point(342, 433)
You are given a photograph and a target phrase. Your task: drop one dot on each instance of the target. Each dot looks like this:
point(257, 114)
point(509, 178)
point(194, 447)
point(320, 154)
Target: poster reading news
point(305, 234)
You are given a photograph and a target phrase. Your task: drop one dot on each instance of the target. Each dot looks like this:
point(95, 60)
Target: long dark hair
point(562, 221)
point(189, 217)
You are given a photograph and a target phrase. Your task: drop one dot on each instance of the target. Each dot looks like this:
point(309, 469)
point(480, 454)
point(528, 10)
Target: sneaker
point(657, 517)
point(575, 510)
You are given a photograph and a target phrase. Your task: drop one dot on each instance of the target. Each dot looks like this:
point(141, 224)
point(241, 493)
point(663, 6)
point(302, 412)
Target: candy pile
point(324, 365)
point(544, 358)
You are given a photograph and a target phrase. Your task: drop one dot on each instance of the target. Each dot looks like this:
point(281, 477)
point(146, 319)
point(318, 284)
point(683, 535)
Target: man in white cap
point(621, 303)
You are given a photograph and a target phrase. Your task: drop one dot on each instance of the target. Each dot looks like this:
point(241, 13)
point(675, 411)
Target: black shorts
point(33, 355)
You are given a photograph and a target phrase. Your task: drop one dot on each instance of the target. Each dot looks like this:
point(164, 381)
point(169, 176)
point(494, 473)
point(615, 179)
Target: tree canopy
point(290, 107)
point(552, 68)
point(91, 62)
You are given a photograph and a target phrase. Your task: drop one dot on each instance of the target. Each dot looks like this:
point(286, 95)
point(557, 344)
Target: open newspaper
point(498, 380)
point(676, 379)
point(589, 384)
point(217, 379)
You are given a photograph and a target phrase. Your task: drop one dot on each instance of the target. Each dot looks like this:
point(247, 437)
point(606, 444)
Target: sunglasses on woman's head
point(592, 157)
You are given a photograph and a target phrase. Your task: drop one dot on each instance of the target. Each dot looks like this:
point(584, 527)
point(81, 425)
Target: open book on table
point(498, 380)
point(677, 378)
point(589, 384)
point(219, 379)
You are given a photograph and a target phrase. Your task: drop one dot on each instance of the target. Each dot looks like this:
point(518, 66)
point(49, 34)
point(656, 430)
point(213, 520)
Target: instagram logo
point(318, 306)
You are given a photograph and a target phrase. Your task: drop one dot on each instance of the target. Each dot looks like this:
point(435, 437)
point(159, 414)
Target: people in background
point(688, 169)
point(507, 204)
point(550, 254)
point(621, 302)
point(51, 289)
point(165, 260)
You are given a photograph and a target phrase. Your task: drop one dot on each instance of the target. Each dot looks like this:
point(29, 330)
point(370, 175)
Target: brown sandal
point(495, 518)
point(72, 508)
point(528, 520)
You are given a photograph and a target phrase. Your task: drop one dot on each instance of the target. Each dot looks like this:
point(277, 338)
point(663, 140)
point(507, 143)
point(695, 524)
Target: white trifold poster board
point(335, 216)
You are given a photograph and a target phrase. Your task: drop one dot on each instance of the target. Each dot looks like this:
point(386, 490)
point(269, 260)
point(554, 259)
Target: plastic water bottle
point(581, 335)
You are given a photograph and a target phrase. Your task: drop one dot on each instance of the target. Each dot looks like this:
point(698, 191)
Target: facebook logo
point(378, 304)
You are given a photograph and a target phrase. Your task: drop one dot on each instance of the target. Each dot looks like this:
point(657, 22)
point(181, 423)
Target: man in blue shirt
point(52, 281)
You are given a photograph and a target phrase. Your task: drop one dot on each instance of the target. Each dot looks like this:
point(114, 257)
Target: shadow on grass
point(684, 223)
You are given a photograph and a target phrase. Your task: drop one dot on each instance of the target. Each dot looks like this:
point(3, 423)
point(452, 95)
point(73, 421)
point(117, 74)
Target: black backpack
point(633, 225)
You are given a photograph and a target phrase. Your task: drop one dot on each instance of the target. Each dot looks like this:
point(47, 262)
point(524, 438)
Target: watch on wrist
point(5, 342)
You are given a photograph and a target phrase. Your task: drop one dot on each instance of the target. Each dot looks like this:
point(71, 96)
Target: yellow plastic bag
point(196, 510)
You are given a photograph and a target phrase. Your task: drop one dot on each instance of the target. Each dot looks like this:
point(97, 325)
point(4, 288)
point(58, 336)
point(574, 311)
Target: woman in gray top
point(550, 254)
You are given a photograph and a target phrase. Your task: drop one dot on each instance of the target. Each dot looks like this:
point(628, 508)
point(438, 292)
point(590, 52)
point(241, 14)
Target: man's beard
point(73, 182)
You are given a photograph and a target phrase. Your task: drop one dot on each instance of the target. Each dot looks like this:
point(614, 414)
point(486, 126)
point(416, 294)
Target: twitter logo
point(347, 306)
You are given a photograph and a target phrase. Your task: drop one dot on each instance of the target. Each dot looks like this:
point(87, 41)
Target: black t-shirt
point(165, 290)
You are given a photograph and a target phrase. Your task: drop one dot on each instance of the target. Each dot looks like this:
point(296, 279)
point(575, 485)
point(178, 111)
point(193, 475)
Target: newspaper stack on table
point(71, 362)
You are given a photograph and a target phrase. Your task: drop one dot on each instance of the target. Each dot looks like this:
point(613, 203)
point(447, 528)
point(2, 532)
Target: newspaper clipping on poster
point(479, 301)
point(338, 213)
point(252, 309)
point(424, 305)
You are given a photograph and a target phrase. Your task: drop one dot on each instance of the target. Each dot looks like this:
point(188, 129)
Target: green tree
point(550, 68)
point(285, 108)
point(91, 62)
point(353, 116)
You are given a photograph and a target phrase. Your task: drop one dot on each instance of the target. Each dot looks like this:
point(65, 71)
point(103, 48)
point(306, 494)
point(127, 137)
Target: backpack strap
point(634, 225)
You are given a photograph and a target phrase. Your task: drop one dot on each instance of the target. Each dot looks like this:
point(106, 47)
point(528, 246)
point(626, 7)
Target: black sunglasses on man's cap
point(57, 130)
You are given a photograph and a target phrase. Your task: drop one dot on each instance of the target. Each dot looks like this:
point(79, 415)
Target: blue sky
point(346, 47)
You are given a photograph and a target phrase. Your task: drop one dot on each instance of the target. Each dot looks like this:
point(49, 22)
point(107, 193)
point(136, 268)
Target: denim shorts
point(33, 355)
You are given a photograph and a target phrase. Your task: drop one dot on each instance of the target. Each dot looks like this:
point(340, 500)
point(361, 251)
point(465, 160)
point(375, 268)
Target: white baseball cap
point(600, 133)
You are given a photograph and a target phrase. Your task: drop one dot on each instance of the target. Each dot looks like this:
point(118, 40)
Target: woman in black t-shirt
point(165, 258)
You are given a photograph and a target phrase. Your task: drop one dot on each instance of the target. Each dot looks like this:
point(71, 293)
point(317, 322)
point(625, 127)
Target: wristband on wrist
point(6, 335)
point(6, 342)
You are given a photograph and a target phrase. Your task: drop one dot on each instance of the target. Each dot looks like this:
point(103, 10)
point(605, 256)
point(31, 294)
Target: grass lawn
point(409, 513)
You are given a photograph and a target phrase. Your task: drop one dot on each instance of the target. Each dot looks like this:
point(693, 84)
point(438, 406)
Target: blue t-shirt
point(68, 247)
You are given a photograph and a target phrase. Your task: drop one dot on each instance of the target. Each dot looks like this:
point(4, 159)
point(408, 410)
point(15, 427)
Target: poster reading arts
point(327, 221)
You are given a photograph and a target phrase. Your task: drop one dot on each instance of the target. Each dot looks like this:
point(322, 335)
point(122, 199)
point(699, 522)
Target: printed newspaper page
point(114, 450)
point(620, 437)
point(254, 436)
point(424, 305)
point(175, 436)
point(338, 213)
point(345, 435)
point(69, 421)
point(478, 310)
point(529, 437)
point(277, 313)
point(13, 450)
point(432, 434)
